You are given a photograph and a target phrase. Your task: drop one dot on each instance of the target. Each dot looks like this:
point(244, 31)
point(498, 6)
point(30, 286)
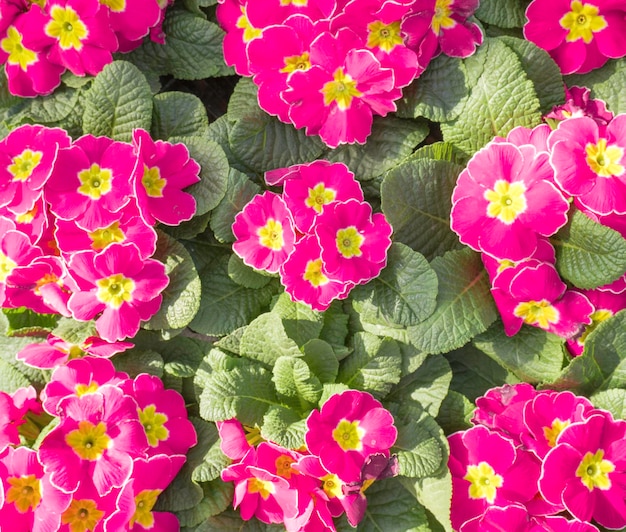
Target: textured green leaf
point(501, 98)
point(230, 521)
point(416, 201)
point(295, 384)
point(435, 493)
point(335, 328)
point(465, 307)
point(182, 355)
point(232, 341)
point(213, 459)
point(374, 366)
point(455, 412)
point(284, 426)
point(119, 101)
point(136, 361)
point(189, 229)
point(245, 275)
point(321, 359)
point(55, 107)
point(404, 293)
point(439, 94)
point(25, 322)
point(11, 378)
point(225, 305)
point(300, 321)
point(589, 254)
point(178, 114)
point(532, 354)
point(502, 13)
point(613, 400)
point(181, 297)
point(244, 100)
point(73, 331)
point(606, 83)
point(217, 496)
point(265, 340)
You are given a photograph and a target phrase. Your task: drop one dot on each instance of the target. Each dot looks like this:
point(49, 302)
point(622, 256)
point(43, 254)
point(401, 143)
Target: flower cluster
point(579, 35)
point(39, 41)
point(320, 234)
point(534, 454)
point(116, 444)
point(347, 448)
point(76, 227)
point(330, 65)
point(515, 193)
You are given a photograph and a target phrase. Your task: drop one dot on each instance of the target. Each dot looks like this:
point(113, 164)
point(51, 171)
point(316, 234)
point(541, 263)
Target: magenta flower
point(344, 88)
point(264, 232)
point(118, 287)
point(88, 510)
point(233, 439)
point(131, 20)
point(34, 223)
point(98, 436)
point(11, 417)
point(578, 102)
point(487, 470)
point(590, 162)
point(164, 170)
point(504, 199)
point(586, 470)
point(579, 35)
point(91, 181)
point(544, 253)
point(349, 428)
point(15, 250)
point(521, 136)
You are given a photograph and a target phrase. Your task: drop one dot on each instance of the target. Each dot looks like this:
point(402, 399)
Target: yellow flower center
point(331, 484)
point(582, 22)
point(552, 432)
point(597, 317)
point(114, 290)
point(18, 54)
point(313, 273)
point(117, 6)
point(95, 181)
point(442, 18)
point(283, 466)
point(88, 441)
point(484, 482)
point(594, 471)
point(263, 487)
point(24, 164)
point(271, 235)
point(296, 62)
point(341, 90)
point(249, 31)
point(319, 196)
point(67, 27)
point(84, 389)
point(540, 313)
point(506, 201)
point(25, 492)
point(152, 182)
point(82, 515)
point(101, 238)
point(6, 267)
point(297, 3)
point(349, 435)
point(144, 502)
point(153, 422)
point(28, 216)
point(605, 160)
point(384, 36)
point(349, 242)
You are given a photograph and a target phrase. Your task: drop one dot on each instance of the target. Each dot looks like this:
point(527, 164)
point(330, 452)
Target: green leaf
point(455, 413)
point(245, 275)
point(435, 493)
point(374, 366)
point(178, 114)
point(465, 307)
point(182, 356)
point(502, 13)
point(295, 384)
point(416, 201)
point(217, 497)
point(335, 328)
point(11, 378)
point(321, 359)
point(532, 354)
point(73, 331)
point(230, 521)
point(55, 107)
point(300, 321)
point(232, 341)
point(613, 400)
point(25, 322)
point(266, 340)
point(439, 94)
point(193, 49)
point(284, 426)
point(208, 458)
point(239, 191)
point(404, 293)
point(119, 101)
point(605, 83)
point(589, 254)
point(136, 361)
point(225, 305)
point(244, 100)
point(181, 297)
point(501, 98)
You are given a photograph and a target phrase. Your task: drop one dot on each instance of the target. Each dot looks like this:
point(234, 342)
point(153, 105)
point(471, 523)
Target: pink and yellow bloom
point(578, 102)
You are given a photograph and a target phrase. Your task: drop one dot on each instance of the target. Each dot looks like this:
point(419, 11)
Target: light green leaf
point(119, 101)
point(300, 321)
point(589, 254)
point(331, 389)
point(501, 98)
point(613, 400)
point(284, 427)
point(321, 359)
point(217, 497)
point(374, 366)
point(245, 275)
point(439, 94)
point(455, 413)
point(181, 297)
point(73, 331)
point(295, 384)
point(178, 114)
point(136, 361)
point(502, 13)
point(11, 378)
point(404, 293)
point(416, 201)
point(232, 341)
point(25, 322)
point(265, 340)
point(435, 493)
point(605, 83)
point(465, 307)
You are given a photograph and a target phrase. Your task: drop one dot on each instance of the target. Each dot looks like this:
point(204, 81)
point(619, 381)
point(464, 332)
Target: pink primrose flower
point(504, 199)
point(91, 181)
point(349, 428)
point(264, 232)
point(487, 470)
point(262, 14)
point(84, 39)
point(27, 155)
point(131, 20)
point(303, 277)
point(354, 241)
point(163, 415)
point(11, 417)
point(233, 441)
point(521, 136)
point(579, 35)
point(24, 52)
point(10, 12)
point(578, 102)
point(119, 287)
point(533, 293)
point(88, 510)
point(34, 223)
point(98, 437)
point(344, 88)
point(15, 250)
point(590, 162)
point(164, 170)
point(586, 471)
